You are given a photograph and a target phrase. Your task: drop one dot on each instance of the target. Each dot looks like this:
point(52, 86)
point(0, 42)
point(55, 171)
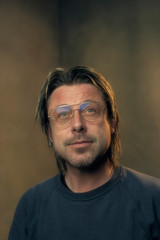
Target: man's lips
point(79, 141)
point(82, 143)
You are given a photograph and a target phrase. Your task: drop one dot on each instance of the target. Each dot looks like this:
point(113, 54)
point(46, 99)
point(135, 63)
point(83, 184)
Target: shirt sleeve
point(18, 230)
point(26, 216)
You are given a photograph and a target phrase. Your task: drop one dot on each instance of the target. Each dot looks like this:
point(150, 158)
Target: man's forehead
point(72, 94)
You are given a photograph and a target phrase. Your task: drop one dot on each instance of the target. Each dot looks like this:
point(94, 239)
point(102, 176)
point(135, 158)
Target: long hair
point(79, 75)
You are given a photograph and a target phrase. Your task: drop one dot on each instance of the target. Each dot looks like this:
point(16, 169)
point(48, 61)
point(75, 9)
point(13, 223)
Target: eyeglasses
point(61, 116)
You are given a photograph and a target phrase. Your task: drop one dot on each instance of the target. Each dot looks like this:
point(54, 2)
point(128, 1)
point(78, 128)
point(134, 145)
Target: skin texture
point(82, 143)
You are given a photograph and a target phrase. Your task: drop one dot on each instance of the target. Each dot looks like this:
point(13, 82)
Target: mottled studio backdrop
point(121, 39)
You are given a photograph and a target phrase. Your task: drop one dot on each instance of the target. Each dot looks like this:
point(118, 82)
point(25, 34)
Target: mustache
point(79, 137)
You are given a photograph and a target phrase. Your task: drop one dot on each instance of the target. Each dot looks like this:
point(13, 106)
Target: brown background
point(121, 39)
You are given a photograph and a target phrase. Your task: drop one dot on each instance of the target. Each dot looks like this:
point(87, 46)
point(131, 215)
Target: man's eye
point(63, 114)
point(89, 111)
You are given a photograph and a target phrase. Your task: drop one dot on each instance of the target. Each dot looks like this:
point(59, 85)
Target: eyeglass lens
point(63, 114)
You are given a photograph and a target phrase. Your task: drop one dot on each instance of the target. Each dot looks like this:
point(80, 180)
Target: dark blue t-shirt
point(127, 207)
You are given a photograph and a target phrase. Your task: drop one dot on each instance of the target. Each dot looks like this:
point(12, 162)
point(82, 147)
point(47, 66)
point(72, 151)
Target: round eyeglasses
point(61, 116)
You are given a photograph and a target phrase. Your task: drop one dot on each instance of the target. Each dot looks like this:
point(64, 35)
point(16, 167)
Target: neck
point(80, 181)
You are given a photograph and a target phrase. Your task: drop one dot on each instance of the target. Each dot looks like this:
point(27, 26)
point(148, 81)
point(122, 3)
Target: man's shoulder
point(41, 191)
point(140, 177)
point(140, 183)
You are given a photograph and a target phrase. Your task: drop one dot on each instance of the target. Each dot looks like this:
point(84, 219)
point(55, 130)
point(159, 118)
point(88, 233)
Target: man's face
point(82, 142)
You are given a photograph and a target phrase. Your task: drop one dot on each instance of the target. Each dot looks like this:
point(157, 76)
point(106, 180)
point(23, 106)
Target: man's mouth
point(79, 141)
point(80, 144)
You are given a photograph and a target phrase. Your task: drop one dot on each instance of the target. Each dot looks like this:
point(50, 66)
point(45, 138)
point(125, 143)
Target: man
point(93, 197)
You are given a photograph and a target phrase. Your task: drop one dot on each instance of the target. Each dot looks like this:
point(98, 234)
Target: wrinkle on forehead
point(74, 94)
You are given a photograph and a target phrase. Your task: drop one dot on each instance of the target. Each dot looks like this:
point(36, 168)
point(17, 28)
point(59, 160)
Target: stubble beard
point(85, 160)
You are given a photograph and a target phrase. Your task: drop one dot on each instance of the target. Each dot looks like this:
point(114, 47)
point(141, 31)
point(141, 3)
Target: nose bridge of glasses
point(75, 107)
point(73, 112)
point(78, 110)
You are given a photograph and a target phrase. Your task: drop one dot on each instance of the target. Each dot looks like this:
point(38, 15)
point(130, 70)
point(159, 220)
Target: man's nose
point(78, 122)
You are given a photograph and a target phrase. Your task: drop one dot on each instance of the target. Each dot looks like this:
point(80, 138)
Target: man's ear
point(113, 125)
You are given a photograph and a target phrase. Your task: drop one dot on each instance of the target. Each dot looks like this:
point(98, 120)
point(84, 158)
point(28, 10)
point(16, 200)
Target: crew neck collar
point(67, 193)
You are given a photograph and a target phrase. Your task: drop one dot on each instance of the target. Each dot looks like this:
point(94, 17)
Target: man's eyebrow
point(63, 105)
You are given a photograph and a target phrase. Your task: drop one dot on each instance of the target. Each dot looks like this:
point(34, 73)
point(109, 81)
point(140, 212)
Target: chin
point(80, 163)
point(87, 164)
